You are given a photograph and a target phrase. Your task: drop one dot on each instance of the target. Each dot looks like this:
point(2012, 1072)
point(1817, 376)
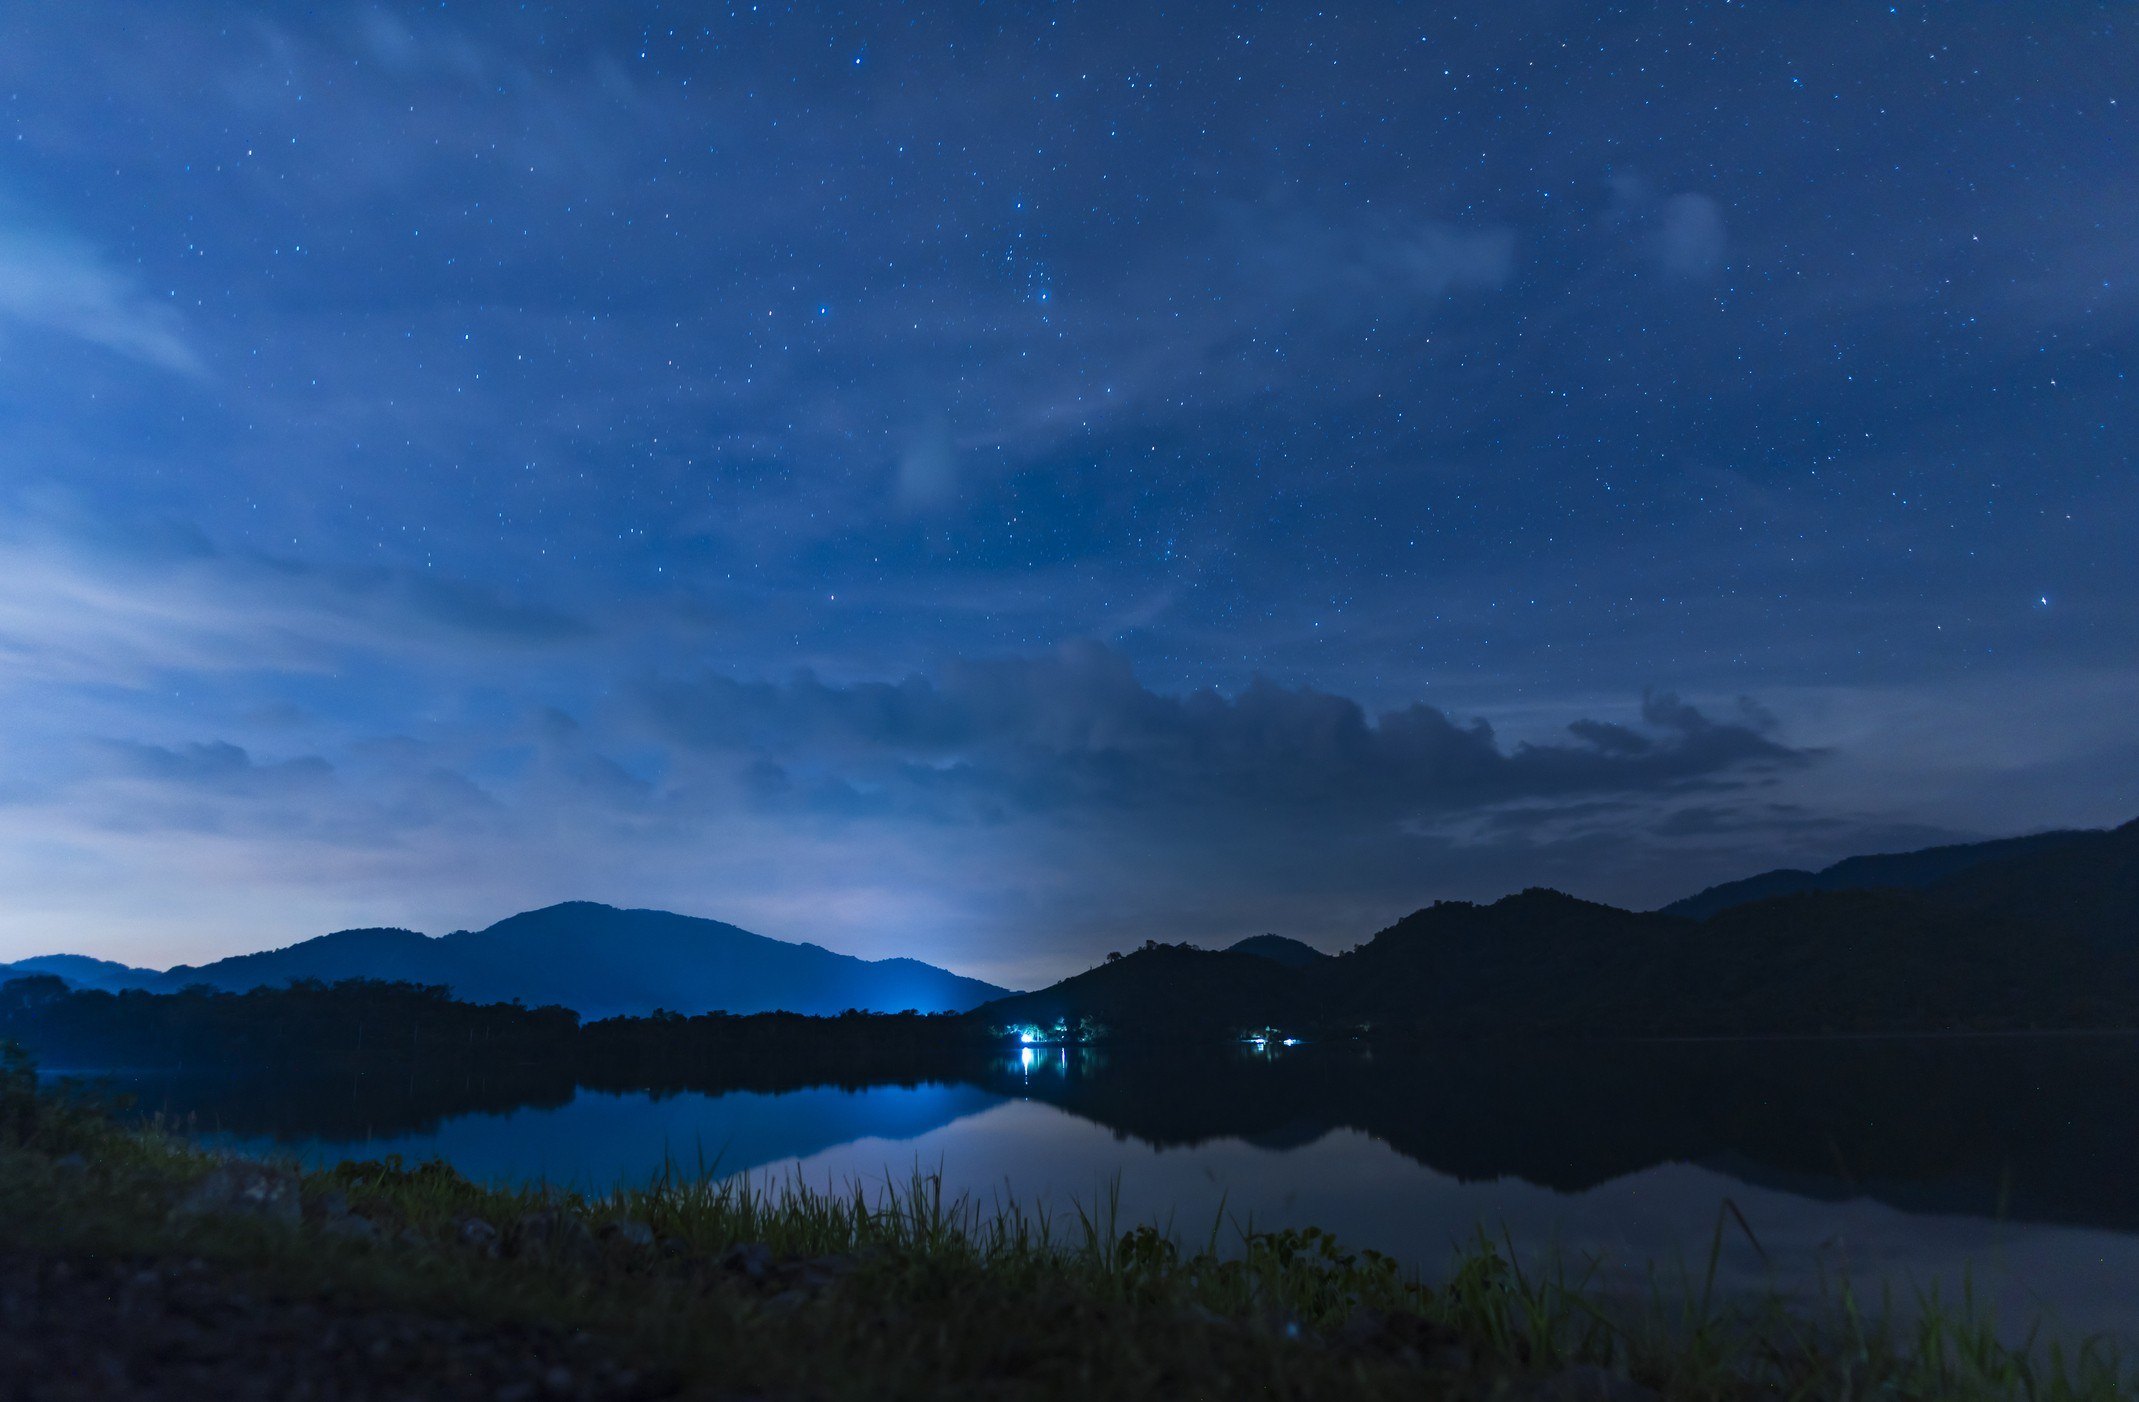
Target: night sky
point(999, 483)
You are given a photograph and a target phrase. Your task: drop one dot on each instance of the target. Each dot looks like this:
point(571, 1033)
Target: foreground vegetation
point(691, 1285)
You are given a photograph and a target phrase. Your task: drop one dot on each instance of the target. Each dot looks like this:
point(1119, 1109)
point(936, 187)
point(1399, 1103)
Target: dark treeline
point(302, 1024)
point(773, 1051)
point(382, 1028)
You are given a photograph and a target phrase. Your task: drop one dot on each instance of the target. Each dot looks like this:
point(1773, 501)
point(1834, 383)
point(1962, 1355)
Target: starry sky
point(998, 483)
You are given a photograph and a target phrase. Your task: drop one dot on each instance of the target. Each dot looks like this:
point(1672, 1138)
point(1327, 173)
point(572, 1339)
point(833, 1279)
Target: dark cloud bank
point(1075, 730)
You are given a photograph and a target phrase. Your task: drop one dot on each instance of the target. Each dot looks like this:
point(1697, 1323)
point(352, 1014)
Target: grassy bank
point(699, 1287)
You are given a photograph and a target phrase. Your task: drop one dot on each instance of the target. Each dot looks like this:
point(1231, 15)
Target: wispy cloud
point(1682, 236)
point(118, 602)
point(53, 283)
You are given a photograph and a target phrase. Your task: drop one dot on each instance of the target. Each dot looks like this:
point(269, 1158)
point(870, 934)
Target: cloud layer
point(1075, 730)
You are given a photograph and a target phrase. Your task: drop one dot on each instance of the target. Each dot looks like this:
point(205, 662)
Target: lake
point(2005, 1162)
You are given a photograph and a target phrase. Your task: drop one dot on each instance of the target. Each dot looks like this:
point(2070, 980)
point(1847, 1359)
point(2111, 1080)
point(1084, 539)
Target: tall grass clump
point(1489, 1313)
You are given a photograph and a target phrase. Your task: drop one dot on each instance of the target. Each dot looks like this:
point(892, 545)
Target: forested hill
point(595, 959)
point(1545, 963)
point(2086, 882)
point(421, 1031)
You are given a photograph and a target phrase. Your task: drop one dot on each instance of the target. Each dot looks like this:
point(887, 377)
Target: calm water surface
point(2009, 1163)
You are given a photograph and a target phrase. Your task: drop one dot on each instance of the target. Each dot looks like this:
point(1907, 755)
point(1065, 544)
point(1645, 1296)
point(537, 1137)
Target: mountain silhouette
point(1170, 990)
point(2043, 939)
point(1910, 870)
point(81, 971)
point(604, 962)
point(1278, 950)
point(2082, 883)
point(2023, 933)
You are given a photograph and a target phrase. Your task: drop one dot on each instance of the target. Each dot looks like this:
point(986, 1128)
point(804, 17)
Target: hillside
point(1873, 960)
point(1161, 990)
point(81, 971)
point(601, 961)
point(1278, 950)
point(2081, 883)
point(1541, 962)
point(1535, 959)
point(390, 954)
point(1909, 870)
point(2089, 887)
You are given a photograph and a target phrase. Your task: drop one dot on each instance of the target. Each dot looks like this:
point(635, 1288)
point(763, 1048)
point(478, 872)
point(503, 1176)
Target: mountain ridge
point(82, 971)
point(596, 959)
point(1915, 869)
point(2038, 930)
point(2043, 934)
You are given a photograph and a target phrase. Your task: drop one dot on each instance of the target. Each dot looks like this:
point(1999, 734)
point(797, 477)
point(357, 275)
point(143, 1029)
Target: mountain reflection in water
point(2009, 1158)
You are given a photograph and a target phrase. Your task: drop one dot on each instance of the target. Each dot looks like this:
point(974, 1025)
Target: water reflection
point(596, 1139)
point(2008, 1157)
point(1053, 1061)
